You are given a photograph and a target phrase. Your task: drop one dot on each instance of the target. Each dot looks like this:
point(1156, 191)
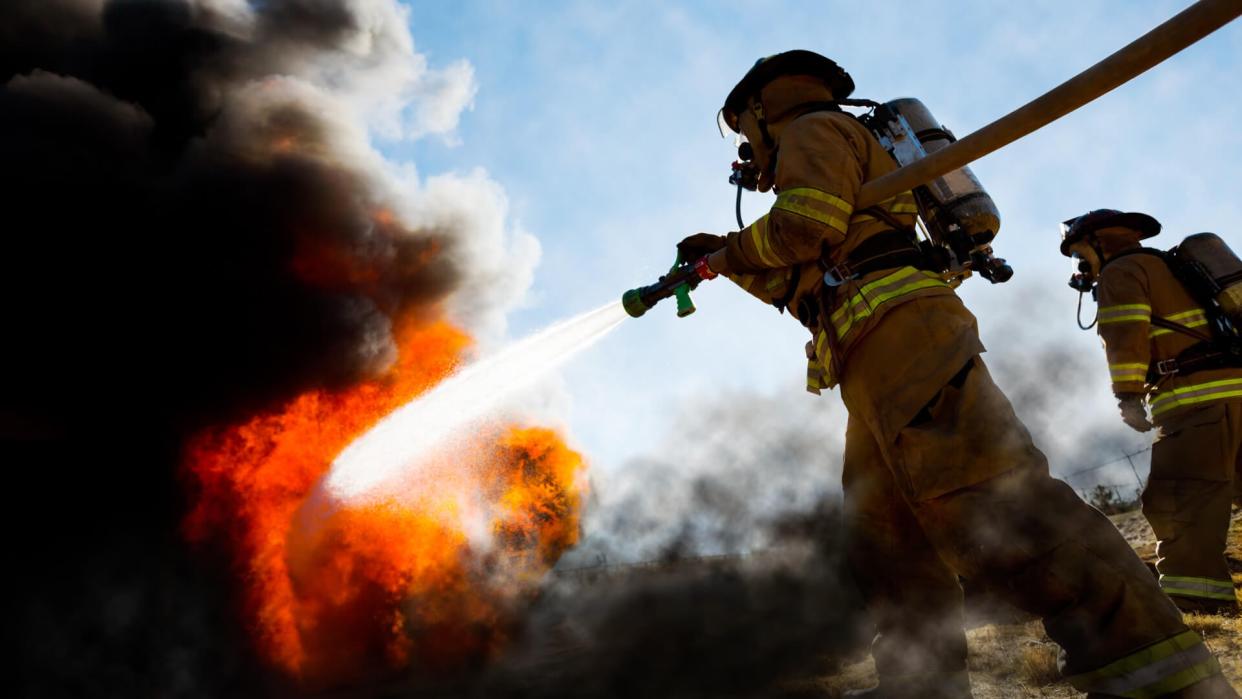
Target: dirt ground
point(1018, 660)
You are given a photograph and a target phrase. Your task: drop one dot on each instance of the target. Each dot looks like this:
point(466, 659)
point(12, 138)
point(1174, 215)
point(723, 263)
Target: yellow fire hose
point(1151, 49)
point(1136, 58)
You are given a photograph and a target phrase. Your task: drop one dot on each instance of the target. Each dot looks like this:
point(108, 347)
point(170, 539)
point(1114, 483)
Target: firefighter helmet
point(797, 62)
point(1075, 229)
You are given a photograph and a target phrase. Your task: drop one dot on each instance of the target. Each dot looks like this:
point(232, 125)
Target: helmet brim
point(797, 62)
point(1146, 226)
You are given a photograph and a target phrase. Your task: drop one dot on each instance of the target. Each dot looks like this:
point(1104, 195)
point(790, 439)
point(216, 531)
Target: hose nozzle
point(679, 281)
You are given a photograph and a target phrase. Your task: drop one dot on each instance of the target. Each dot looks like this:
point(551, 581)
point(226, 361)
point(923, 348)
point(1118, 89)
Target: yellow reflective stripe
point(1177, 317)
point(743, 280)
point(1126, 313)
point(1207, 588)
point(1157, 332)
point(776, 280)
point(1195, 318)
point(816, 205)
point(870, 287)
point(1212, 582)
point(816, 376)
point(904, 281)
point(1160, 668)
point(1179, 680)
point(869, 304)
point(759, 238)
point(1124, 373)
point(1169, 399)
point(899, 204)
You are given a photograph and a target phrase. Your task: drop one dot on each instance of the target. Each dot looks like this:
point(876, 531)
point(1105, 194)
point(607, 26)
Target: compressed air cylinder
point(1220, 263)
point(959, 196)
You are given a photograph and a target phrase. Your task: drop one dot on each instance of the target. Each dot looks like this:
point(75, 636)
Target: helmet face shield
point(726, 129)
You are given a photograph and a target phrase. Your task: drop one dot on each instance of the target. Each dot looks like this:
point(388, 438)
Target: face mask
point(745, 172)
point(1083, 278)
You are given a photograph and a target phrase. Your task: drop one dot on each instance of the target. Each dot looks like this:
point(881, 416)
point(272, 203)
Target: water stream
point(421, 426)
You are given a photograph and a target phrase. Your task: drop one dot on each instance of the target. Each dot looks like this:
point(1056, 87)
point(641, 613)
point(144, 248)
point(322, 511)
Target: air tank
point(959, 197)
point(1218, 263)
point(960, 217)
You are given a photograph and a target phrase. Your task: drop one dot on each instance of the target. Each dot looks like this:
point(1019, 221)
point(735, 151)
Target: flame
point(430, 577)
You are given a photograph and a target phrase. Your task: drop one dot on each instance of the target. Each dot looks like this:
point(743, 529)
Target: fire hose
point(1134, 59)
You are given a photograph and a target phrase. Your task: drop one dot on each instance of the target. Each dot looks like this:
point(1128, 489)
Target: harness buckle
point(1167, 367)
point(838, 275)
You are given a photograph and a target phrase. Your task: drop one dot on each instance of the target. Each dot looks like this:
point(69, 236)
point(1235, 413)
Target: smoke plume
point(198, 226)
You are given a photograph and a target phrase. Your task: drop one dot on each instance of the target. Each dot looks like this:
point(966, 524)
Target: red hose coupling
point(704, 270)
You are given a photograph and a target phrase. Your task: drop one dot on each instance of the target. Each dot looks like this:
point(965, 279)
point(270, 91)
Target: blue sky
point(598, 120)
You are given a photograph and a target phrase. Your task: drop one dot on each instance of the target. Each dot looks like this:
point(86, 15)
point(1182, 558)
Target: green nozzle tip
point(685, 306)
point(633, 303)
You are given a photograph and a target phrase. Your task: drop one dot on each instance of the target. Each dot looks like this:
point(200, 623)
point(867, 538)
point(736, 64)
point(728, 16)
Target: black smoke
point(735, 626)
point(190, 233)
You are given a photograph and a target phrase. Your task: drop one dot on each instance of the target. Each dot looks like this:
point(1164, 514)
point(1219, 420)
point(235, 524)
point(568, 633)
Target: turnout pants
point(1196, 471)
point(961, 490)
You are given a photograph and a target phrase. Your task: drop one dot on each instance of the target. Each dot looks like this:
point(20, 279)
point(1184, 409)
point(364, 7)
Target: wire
point(1093, 320)
point(738, 207)
point(1123, 457)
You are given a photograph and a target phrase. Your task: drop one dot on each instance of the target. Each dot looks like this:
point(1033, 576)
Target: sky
point(597, 123)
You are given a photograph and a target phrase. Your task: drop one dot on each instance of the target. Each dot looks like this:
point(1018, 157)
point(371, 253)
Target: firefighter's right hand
point(699, 245)
point(1133, 411)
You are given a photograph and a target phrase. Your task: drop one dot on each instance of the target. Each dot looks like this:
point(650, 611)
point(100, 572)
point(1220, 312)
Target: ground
point(1018, 660)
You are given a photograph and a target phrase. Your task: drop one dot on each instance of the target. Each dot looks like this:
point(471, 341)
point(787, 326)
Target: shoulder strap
point(1181, 274)
point(1140, 251)
point(1178, 327)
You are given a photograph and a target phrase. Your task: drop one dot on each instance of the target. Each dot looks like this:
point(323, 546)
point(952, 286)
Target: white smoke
point(377, 89)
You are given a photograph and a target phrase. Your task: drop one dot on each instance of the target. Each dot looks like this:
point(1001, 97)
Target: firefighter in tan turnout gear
point(1160, 348)
point(941, 478)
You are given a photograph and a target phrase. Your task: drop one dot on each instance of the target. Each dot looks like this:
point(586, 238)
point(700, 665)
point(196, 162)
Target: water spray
point(400, 443)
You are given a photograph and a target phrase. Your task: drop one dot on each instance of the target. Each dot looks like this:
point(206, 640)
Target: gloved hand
point(1133, 412)
point(699, 245)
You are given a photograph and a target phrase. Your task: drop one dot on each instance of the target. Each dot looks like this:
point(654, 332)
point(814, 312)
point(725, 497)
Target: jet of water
point(419, 427)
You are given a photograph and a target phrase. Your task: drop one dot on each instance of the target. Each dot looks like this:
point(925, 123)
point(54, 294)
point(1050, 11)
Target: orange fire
point(429, 577)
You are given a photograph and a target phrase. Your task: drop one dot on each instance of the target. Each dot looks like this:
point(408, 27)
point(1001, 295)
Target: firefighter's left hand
point(1133, 412)
point(699, 245)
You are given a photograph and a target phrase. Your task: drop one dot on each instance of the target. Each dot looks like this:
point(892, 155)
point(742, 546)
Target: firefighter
point(941, 478)
point(1161, 354)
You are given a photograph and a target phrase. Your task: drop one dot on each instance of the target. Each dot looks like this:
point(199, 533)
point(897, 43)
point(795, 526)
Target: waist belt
point(1198, 357)
point(887, 250)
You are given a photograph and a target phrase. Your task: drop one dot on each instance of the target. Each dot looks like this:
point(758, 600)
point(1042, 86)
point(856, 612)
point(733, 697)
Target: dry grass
point(1037, 664)
point(1014, 660)
point(1018, 660)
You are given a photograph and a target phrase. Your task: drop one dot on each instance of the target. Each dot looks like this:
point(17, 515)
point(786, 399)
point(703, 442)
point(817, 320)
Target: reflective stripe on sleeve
point(1128, 373)
point(815, 379)
point(759, 239)
point(1169, 399)
point(1161, 668)
point(1126, 313)
point(816, 205)
point(1204, 588)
